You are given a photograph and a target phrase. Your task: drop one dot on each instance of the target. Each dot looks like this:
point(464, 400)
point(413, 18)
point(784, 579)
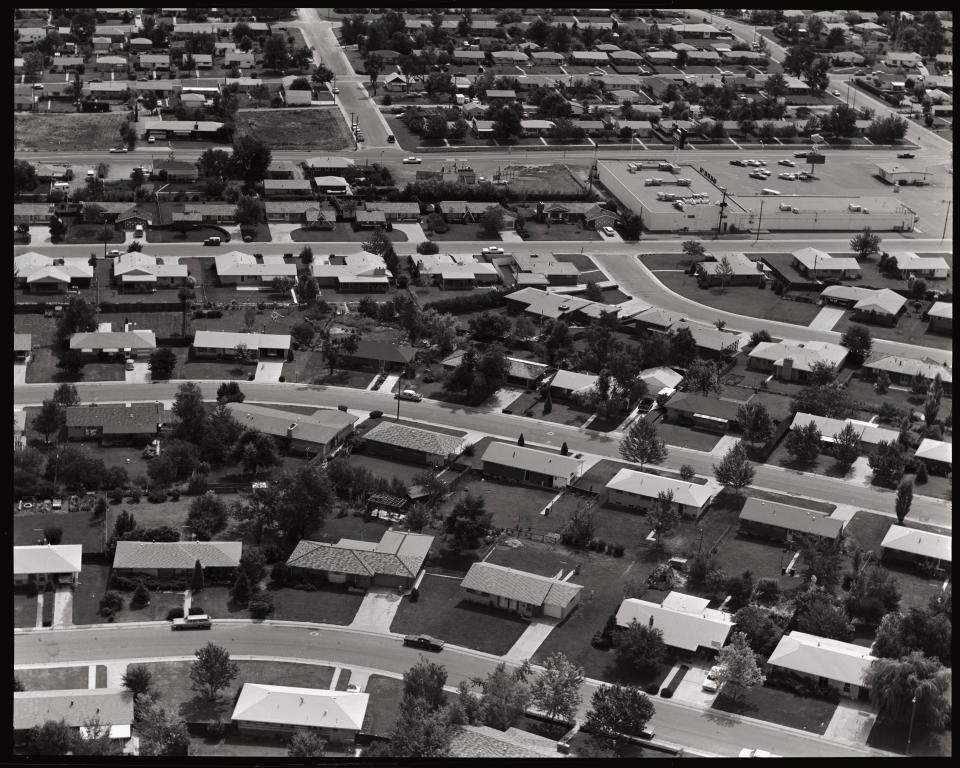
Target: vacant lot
point(70, 131)
point(530, 178)
point(318, 128)
point(54, 678)
point(440, 612)
point(780, 706)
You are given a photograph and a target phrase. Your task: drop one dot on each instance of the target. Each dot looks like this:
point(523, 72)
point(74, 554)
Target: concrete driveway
point(860, 472)
point(269, 372)
point(139, 375)
point(377, 610)
point(63, 607)
point(827, 318)
point(690, 690)
point(19, 374)
point(531, 639)
point(614, 238)
point(414, 232)
point(851, 722)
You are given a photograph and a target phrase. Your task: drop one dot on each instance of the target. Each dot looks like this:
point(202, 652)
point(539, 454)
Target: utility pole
point(946, 218)
point(723, 205)
point(760, 220)
point(399, 390)
point(913, 713)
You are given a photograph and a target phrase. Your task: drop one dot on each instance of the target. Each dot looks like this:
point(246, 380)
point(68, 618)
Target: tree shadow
point(202, 710)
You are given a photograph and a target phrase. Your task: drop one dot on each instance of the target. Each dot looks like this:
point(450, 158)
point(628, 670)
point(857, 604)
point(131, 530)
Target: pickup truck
point(197, 621)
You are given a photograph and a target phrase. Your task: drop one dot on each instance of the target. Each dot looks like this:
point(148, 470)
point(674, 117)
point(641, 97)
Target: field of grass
point(24, 611)
point(317, 128)
point(54, 678)
point(329, 605)
point(386, 693)
point(780, 706)
point(510, 505)
point(87, 594)
point(69, 131)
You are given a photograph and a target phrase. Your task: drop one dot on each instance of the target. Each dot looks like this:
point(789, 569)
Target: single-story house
point(840, 665)
point(241, 59)
point(542, 305)
point(380, 355)
point(277, 710)
point(277, 189)
point(42, 563)
point(905, 59)
point(744, 271)
point(523, 372)
point(793, 360)
point(153, 61)
point(234, 268)
point(910, 265)
point(365, 272)
point(844, 295)
point(507, 461)
point(936, 454)
point(412, 444)
point(317, 434)
point(685, 620)
point(184, 129)
point(171, 559)
point(307, 213)
point(112, 706)
point(660, 378)
point(38, 273)
point(902, 370)
point(709, 413)
point(773, 520)
point(455, 272)
point(139, 272)
point(396, 211)
point(527, 594)
point(464, 211)
point(394, 561)
point(640, 491)
point(225, 344)
point(883, 306)
point(711, 341)
point(324, 166)
point(816, 265)
point(484, 741)
point(910, 545)
point(871, 434)
point(126, 343)
point(22, 346)
point(567, 383)
point(941, 317)
point(207, 213)
point(588, 58)
point(556, 272)
point(32, 213)
point(137, 423)
point(332, 185)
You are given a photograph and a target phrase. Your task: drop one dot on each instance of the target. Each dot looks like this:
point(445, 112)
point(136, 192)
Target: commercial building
point(527, 594)
point(317, 434)
point(688, 625)
point(508, 461)
point(641, 491)
point(773, 520)
point(842, 666)
point(277, 710)
point(184, 129)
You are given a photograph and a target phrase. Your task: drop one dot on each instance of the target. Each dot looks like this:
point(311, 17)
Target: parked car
point(608, 231)
point(114, 150)
point(760, 162)
point(757, 175)
point(212, 241)
point(412, 160)
point(835, 93)
point(788, 176)
point(391, 139)
point(787, 163)
point(335, 91)
point(151, 140)
point(801, 154)
point(492, 250)
point(424, 641)
point(114, 252)
point(128, 365)
point(906, 155)
point(745, 752)
point(804, 176)
point(740, 163)
point(752, 162)
point(647, 733)
point(198, 621)
point(408, 394)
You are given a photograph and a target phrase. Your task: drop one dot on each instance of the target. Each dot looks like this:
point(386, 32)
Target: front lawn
point(312, 368)
point(533, 405)
point(196, 234)
point(783, 707)
point(327, 605)
point(86, 595)
point(574, 232)
point(683, 436)
point(440, 612)
point(24, 611)
point(308, 128)
point(386, 693)
point(78, 234)
point(891, 735)
point(54, 678)
point(342, 232)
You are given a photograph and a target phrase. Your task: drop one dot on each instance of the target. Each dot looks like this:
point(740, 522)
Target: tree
point(703, 376)
point(420, 732)
point(251, 158)
point(724, 272)
point(212, 671)
point(276, 56)
point(664, 516)
point(506, 123)
point(694, 250)
point(191, 413)
point(138, 680)
point(196, 582)
point(858, 340)
point(556, 691)
point(306, 742)
point(505, 696)
point(755, 422)
point(255, 451)
point(738, 666)
point(683, 347)
point(161, 733)
point(304, 498)
point(24, 176)
point(887, 130)
point(757, 623)
point(894, 683)
point(378, 243)
point(734, 470)
point(207, 516)
point(882, 383)
point(141, 596)
point(229, 392)
point(491, 222)
point(163, 361)
point(54, 737)
point(904, 500)
point(803, 443)
point(468, 522)
point(865, 243)
point(241, 591)
point(249, 212)
point(425, 681)
point(833, 401)
point(617, 711)
point(215, 163)
point(50, 420)
point(917, 630)
point(846, 445)
point(823, 618)
point(887, 463)
point(79, 316)
point(642, 444)
point(57, 228)
point(640, 648)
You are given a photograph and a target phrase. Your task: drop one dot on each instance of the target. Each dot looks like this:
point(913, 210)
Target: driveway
point(851, 722)
point(614, 238)
point(826, 318)
point(269, 372)
point(377, 610)
point(63, 607)
point(510, 237)
point(860, 473)
point(531, 639)
point(19, 374)
point(414, 232)
point(139, 375)
point(724, 444)
point(690, 690)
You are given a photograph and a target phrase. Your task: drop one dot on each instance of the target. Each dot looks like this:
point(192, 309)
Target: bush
point(414, 595)
point(197, 485)
point(174, 613)
point(280, 574)
point(261, 606)
point(174, 494)
point(196, 610)
point(686, 472)
point(134, 494)
point(157, 496)
point(618, 550)
point(115, 495)
point(376, 414)
point(667, 693)
point(53, 534)
point(110, 603)
point(600, 641)
point(32, 589)
point(217, 728)
point(652, 689)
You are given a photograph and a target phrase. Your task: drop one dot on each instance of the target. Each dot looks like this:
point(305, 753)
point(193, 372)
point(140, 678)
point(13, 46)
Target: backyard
point(387, 469)
point(510, 505)
point(317, 128)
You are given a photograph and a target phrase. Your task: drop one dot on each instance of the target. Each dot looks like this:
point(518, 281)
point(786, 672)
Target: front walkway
point(377, 610)
point(531, 639)
point(851, 722)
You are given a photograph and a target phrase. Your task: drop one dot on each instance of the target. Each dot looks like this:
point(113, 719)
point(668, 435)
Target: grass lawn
point(311, 367)
point(911, 328)
point(315, 128)
point(683, 436)
point(868, 530)
point(386, 468)
point(172, 680)
point(386, 693)
point(891, 735)
point(510, 505)
point(583, 262)
point(216, 602)
point(457, 231)
point(54, 678)
point(776, 705)
point(87, 593)
point(349, 527)
point(440, 612)
point(538, 231)
point(77, 527)
point(235, 745)
point(79, 234)
point(24, 611)
point(42, 369)
point(823, 465)
point(342, 232)
point(74, 131)
point(329, 605)
point(561, 413)
point(196, 234)
point(156, 610)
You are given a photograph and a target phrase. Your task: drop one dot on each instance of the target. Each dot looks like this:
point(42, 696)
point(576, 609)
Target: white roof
point(237, 263)
point(47, 558)
point(552, 464)
point(847, 292)
point(911, 261)
point(31, 264)
point(803, 354)
point(574, 381)
point(822, 657)
point(884, 301)
point(301, 707)
point(911, 366)
point(649, 486)
point(685, 620)
point(869, 433)
point(813, 258)
point(661, 378)
point(933, 545)
point(739, 263)
point(941, 309)
point(935, 450)
point(232, 339)
point(134, 262)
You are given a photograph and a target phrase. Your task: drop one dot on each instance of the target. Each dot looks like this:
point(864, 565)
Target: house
point(883, 306)
point(937, 455)
point(365, 272)
point(844, 295)
point(395, 211)
point(32, 213)
point(207, 213)
point(173, 559)
point(500, 96)
point(277, 710)
point(307, 213)
point(455, 272)
point(112, 706)
point(535, 127)
point(137, 423)
point(744, 271)
point(588, 58)
point(227, 344)
point(484, 741)
point(902, 370)
point(395, 561)
point(463, 212)
point(660, 378)
point(184, 129)
point(130, 217)
point(555, 271)
point(240, 59)
point(904, 59)
point(507, 461)
point(323, 166)
point(547, 58)
point(711, 342)
point(688, 625)
point(912, 546)
point(468, 57)
point(174, 170)
point(910, 265)
point(235, 268)
point(42, 563)
point(380, 355)
point(773, 520)
point(709, 413)
point(22, 346)
point(111, 63)
point(639, 491)
point(817, 265)
point(67, 63)
point(332, 185)
point(840, 665)
point(870, 434)
point(37, 273)
point(316, 434)
point(565, 384)
point(793, 360)
point(524, 372)
point(127, 343)
point(527, 594)
point(540, 304)
point(412, 444)
point(138, 272)
point(277, 189)
point(153, 61)
point(510, 57)
point(941, 317)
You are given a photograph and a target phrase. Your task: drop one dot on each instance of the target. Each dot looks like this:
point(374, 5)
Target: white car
point(114, 150)
point(412, 160)
point(608, 231)
point(710, 686)
point(788, 176)
point(408, 394)
point(757, 175)
point(335, 91)
point(836, 93)
point(761, 162)
point(788, 163)
point(494, 250)
point(756, 753)
point(753, 163)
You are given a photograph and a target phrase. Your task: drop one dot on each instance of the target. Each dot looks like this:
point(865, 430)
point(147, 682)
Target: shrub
point(376, 414)
point(175, 494)
point(922, 472)
point(280, 574)
point(600, 641)
point(110, 603)
point(157, 496)
point(53, 534)
point(197, 485)
point(618, 550)
point(115, 495)
point(32, 589)
point(261, 606)
point(667, 693)
point(174, 613)
point(414, 595)
point(599, 545)
point(141, 596)
point(469, 450)
point(196, 610)
point(686, 472)
point(652, 689)
point(217, 728)
point(134, 494)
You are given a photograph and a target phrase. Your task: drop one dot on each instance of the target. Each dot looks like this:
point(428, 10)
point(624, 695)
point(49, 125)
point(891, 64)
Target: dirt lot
point(69, 131)
point(318, 128)
point(534, 178)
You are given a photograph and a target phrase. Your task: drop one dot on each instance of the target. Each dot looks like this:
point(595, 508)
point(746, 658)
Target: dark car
point(424, 641)
point(737, 162)
point(906, 156)
point(391, 139)
point(801, 154)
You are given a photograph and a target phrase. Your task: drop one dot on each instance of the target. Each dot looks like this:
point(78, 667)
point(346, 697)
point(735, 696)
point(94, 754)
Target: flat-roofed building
point(640, 491)
point(528, 465)
point(527, 594)
point(773, 520)
point(688, 625)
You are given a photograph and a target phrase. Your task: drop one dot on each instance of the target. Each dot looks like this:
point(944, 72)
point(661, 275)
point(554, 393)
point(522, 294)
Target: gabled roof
point(233, 339)
point(923, 543)
point(660, 378)
point(694, 404)
point(574, 381)
point(396, 554)
point(935, 450)
point(139, 339)
point(320, 427)
point(942, 309)
point(75, 707)
point(884, 302)
point(870, 433)
point(484, 741)
point(47, 558)
point(912, 262)
point(650, 486)
point(22, 342)
point(803, 354)
point(911, 366)
point(791, 518)
point(822, 657)
point(180, 555)
point(525, 587)
point(813, 258)
point(301, 707)
point(402, 436)
point(532, 460)
point(685, 621)
point(383, 351)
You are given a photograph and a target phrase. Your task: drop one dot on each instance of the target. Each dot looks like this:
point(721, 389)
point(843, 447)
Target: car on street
point(753, 163)
point(493, 250)
point(906, 156)
point(114, 252)
point(608, 231)
point(647, 732)
point(740, 163)
point(413, 160)
point(745, 752)
point(788, 176)
point(197, 621)
point(426, 642)
point(335, 91)
point(391, 139)
point(114, 150)
point(761, 162)
point(859, 72)
point(756, 175)
point(788, 163)
point(804, 176)
point(408, 394)
point(836, 93)
point(212, 241)
point(801, 154)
